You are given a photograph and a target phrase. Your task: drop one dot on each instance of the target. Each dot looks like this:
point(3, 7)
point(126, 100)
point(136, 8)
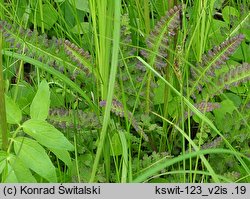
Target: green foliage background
point(124, 91)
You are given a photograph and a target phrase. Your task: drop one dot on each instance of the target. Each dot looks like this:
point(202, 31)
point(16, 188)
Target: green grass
point(149, 128)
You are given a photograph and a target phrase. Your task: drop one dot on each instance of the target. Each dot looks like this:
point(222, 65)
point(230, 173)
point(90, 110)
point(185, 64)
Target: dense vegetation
point(125, 91)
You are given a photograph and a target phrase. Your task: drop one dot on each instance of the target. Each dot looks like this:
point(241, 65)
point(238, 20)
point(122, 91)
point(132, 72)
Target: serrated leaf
point(18, 172)
point(13, 113)
point(85, 162)
point(39, 108)
point(63, 155)
point(215, 31)
point(35, 157)
point(227, 106)
point(218, 4)
point(47, 135)
point(229, 11)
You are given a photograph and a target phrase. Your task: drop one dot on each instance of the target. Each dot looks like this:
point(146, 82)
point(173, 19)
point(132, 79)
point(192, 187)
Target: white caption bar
point(126, 191)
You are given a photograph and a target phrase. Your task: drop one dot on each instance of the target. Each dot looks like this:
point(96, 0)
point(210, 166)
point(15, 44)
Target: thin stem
point(146, 16)
point(3, 120)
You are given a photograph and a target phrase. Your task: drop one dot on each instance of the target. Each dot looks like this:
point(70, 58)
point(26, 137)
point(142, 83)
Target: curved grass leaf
point(50, 16)
point(125, 157)
point(49, 51)
point(54, 72)
point(59, 54)
point(164, 163)
point(197, 112)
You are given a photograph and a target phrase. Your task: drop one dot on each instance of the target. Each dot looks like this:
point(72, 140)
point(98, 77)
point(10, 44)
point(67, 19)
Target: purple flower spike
point(102, 103)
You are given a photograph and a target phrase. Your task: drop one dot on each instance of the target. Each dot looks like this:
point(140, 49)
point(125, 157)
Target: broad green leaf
point(24, 96)
point(23, 10)
point(18, 172)
point(35, 157)
point(216, 30)
point(50, 16)
point(80, 4)
point(39, 108)
point(239, 89)
point(3, 157)
point(159, 93)
point(13, 113)
point(47, 135)
point(229, 11)
point(234, 98)
point(11, 177)
point(116, 146)
point(226, 106)
point(218, 4)
point(85, 162)
point(240, 53)
point(63, 155)
point(246, 32)
point(87, 159)
point(175, 102)
point(82, 28)
point(68, 13)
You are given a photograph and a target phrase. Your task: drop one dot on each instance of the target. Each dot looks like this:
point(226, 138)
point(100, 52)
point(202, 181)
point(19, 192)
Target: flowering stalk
point(205, 70)
point(63, 118)
point(118, 110)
